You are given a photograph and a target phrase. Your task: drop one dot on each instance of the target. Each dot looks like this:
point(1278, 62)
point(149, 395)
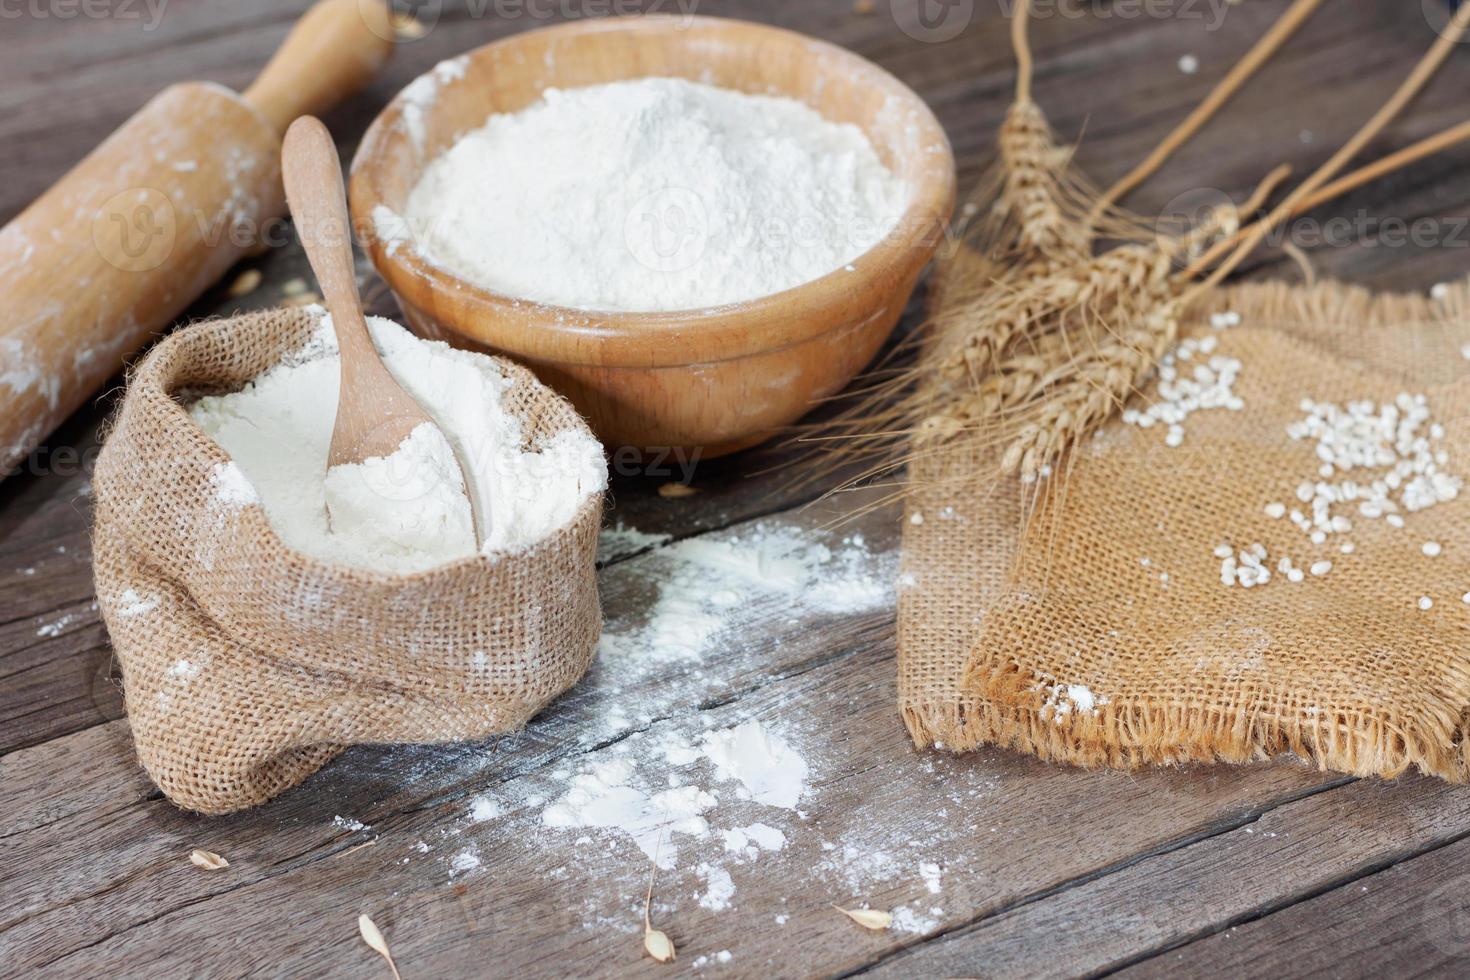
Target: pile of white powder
point(406, 512)
point(651, 195)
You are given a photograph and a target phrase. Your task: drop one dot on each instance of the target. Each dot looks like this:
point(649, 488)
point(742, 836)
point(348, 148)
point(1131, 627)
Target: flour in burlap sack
point(247, 665)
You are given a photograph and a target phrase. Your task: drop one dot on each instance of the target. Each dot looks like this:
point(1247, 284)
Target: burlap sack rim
point(145, 382)
point(147, 386)
point(1005, 706)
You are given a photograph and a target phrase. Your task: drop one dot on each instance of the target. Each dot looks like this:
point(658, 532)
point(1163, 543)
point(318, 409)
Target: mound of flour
point(649, 195)
point(405, 512)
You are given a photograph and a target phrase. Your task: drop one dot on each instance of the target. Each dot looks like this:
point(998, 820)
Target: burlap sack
point(1114, 585)
point(246, 665)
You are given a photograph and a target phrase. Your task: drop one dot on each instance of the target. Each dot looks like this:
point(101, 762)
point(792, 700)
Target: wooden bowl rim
point(739, 329)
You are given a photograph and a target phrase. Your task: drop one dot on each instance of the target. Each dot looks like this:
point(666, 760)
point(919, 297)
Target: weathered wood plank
point(1411, 920)
point(54, 656)
point(393, 779)
point(1287, 853)
point(882, 813)
point(97, 779)
point(999, 827)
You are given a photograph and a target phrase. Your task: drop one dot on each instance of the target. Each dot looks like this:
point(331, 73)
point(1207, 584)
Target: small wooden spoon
point(374, 413)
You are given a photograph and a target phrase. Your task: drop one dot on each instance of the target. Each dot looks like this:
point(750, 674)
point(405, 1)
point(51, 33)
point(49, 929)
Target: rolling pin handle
point(331, 53)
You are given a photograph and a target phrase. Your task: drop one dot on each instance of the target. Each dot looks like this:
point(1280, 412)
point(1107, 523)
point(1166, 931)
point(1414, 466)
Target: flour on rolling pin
point(124, 242)
point(137, 229)
point(406, 512)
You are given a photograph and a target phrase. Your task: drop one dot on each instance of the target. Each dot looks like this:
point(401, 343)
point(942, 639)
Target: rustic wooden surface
point(1258, 870)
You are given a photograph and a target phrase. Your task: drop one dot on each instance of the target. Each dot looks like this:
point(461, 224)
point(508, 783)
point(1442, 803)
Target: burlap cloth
point(246, 665)
point(1114, 585)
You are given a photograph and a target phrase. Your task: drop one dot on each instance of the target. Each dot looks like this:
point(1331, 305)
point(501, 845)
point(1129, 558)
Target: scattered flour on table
point(653, 194)
point(604, 796)
point(769, 770)
point(56, 628)
point(906, 919)
point(484, 809)
point(405, 512)
point(719, 888)
point(466, 860)
point(722, 802)
point(620, 542)
point(722, 957)
point(622, 793)
point(710, 585)
point(750, 841)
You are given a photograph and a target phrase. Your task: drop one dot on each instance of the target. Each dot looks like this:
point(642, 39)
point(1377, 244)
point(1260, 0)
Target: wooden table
point(1043, 870)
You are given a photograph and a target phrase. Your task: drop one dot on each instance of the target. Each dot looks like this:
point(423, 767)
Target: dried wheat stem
point(1267, 46)
point(1021, 43)
point(1380, 168)
point(1421, 74)
point(1265, 189)
point(1394, 161)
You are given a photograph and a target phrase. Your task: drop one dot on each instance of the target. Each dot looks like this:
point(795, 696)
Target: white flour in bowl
point(651, 195)
point(406, 512)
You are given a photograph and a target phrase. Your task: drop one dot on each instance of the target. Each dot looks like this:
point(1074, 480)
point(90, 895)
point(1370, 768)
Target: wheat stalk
point(1034, 342)
point(1092, 395)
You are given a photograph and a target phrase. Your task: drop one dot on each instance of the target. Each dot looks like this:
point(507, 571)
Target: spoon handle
point(313, 176)
point(374, 413)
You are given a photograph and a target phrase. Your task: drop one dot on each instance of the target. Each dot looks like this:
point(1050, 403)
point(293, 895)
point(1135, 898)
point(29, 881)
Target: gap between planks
point(1306, 896)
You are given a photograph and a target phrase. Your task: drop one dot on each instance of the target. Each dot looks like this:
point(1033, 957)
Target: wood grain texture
point(1281, 855)
point(1413, 918)
point(1168, 871)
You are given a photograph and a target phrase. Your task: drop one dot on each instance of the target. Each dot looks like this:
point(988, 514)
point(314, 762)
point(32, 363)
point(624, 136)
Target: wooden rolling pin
point(124, 242)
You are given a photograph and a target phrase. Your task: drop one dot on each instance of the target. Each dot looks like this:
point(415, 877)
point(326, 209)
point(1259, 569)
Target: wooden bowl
point(711, 380)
